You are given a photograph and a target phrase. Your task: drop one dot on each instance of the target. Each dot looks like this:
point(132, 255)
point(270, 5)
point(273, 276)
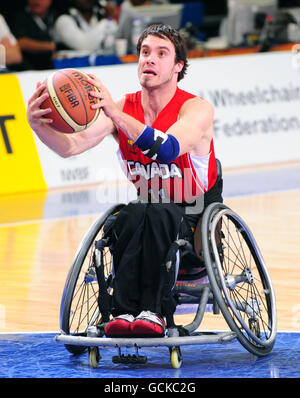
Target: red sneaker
point(148, 324)
point(119, 326)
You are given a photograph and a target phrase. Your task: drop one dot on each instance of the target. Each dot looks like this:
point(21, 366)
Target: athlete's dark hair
point(167, 31)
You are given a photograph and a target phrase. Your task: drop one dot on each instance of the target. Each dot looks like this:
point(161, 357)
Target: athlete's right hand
point(36, 116)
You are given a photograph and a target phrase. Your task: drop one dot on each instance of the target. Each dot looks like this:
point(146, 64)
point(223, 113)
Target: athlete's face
point(157, 62)
point(39, 7)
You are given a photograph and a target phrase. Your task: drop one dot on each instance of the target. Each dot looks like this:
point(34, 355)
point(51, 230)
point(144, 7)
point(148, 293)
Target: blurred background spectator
point(86, 26)
point(12, 53)
point(136, 15)
point(256, 22)
point(89, 27)
point(33, 28)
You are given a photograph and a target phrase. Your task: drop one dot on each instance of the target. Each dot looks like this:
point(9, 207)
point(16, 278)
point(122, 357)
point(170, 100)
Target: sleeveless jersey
point(182, 180)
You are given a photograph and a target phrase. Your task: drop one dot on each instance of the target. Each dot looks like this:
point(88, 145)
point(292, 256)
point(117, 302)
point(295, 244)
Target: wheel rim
point(243, 279)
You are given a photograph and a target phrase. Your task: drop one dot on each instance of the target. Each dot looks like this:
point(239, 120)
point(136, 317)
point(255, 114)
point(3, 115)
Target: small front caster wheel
point(94, 356)
point(176, 357)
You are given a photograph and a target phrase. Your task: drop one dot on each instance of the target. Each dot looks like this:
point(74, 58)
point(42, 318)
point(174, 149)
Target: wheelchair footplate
point(94, 343)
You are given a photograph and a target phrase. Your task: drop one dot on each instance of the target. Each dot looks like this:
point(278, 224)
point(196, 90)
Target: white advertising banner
point(257, 106)
point(256, 100)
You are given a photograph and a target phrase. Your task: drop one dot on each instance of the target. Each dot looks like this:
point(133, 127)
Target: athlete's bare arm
point(193, 129)
point(129, 125)
point(66, 144)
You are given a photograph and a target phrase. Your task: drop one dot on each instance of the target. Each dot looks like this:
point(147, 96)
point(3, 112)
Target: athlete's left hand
point(106, 103)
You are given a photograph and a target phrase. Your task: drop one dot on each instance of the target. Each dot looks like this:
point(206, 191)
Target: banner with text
point(256, 100)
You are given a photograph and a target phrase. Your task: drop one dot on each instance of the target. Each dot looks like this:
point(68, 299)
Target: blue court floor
point(40, 356)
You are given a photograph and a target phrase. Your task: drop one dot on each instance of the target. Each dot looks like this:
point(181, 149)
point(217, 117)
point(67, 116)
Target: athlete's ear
point(179, 66)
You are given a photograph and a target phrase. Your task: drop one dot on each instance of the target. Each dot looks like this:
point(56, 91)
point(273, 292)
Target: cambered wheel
point(79, 305)
point(239, 278)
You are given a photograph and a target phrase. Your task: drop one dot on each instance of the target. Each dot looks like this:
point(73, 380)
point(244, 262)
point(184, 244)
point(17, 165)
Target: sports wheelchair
point(237, 284)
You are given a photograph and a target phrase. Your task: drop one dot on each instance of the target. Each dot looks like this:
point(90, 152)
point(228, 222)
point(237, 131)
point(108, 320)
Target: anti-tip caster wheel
point(94, 356)
point(176, 357)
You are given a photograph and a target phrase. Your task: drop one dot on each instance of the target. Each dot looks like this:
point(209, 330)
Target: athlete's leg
point(127, 251)
point(162, 225)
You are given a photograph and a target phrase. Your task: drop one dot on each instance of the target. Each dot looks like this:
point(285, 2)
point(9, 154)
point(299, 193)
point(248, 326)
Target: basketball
point(70, 101)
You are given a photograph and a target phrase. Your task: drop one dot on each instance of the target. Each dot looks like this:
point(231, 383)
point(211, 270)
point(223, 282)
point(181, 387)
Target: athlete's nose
point(150, 62)
point(150, 59)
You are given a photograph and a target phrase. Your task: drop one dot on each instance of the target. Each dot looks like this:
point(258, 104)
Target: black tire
point(239, 279)
point(79, 305)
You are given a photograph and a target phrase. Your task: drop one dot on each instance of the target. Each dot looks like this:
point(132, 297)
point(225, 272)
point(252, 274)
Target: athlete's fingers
point(35, 113)
point(91, 78)
point(46, 120)
point(39, 100)
point(96, 94)
point(39, 89)
point(98, 105)
point(41, 112)
point(95, 81)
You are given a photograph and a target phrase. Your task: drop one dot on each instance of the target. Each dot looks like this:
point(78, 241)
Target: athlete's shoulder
point(198, 108)
point(185, 95)
point(189, 98)
point(182, 94)
point(133, 97)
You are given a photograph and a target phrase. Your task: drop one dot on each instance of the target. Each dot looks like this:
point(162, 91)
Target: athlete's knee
point(130, 217)
point(159, 210)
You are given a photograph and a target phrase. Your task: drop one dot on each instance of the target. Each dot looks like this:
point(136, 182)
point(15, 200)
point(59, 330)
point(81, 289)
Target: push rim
point(84, 311)
point(243, 279)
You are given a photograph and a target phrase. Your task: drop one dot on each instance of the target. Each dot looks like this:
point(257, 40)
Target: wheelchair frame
point(246, 299)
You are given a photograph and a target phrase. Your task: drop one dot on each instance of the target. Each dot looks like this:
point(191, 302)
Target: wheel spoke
point(84, 305)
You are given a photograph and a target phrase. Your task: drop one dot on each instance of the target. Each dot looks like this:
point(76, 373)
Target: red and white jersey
point(182, 180)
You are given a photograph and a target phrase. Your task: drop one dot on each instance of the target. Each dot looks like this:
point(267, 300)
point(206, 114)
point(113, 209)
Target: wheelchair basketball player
point(165, 138)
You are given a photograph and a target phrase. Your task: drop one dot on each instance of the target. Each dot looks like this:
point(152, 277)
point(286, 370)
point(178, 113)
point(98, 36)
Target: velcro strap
point(155, 147)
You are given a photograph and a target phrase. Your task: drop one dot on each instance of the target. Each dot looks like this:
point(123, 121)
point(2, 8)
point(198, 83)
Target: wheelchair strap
point(169, 272)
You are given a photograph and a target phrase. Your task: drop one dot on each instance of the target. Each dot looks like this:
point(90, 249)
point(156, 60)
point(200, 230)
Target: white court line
point(24, 333)
point(19, 223)
point(250, 194)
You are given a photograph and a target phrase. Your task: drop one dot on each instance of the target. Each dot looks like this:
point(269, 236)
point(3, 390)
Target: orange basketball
point(70, 101)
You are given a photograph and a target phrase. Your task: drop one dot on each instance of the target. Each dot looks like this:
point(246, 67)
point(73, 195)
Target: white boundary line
point(19, 223)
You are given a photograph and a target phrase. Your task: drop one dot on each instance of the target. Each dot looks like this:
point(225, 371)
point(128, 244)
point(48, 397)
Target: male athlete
point(165, 138)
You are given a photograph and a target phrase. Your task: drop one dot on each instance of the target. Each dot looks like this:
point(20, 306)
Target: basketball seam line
point(97, 110)
point(64, 115)
point(86, 115)
point(88, 123)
